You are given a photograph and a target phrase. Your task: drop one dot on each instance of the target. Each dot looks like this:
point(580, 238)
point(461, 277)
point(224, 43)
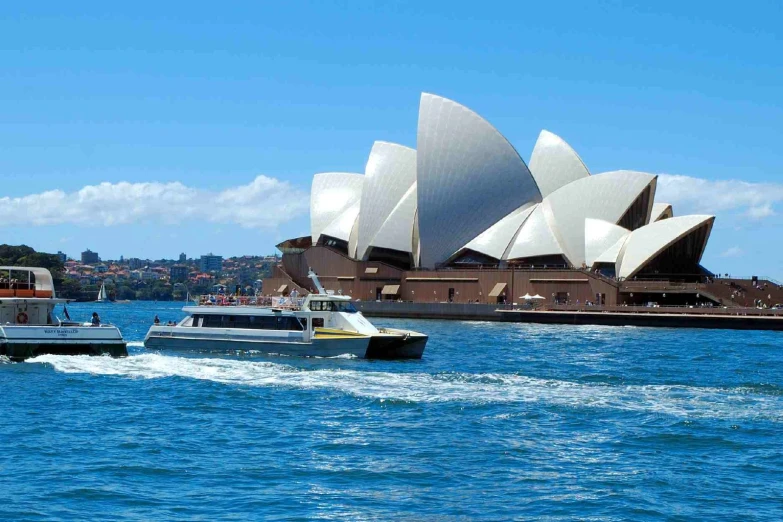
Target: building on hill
point(211, 263)
point(178, 273)
point(183, 258)
point(62, 256)
point(144, 275)
point(89, 257)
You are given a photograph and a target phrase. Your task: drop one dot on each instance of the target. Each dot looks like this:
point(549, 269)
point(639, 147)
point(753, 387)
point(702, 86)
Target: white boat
point(28, 326)
point(102, 295)
point(321, 325)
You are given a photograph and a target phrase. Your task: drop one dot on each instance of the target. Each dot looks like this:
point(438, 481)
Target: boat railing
point(23, 290)
point(293, 303)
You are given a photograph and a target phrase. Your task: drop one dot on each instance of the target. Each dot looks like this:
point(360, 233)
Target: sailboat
point(102, 295)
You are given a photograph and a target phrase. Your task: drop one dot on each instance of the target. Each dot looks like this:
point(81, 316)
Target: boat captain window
point(345, 306)
point(332, 306)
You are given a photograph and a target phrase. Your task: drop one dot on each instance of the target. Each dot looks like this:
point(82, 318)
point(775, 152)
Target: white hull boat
point(28, 327)
point(322, 325)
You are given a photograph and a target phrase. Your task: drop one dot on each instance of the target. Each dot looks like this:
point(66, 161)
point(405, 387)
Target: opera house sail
point(464, 207)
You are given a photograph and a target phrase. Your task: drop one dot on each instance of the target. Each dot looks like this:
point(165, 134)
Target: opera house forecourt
point(463, 219)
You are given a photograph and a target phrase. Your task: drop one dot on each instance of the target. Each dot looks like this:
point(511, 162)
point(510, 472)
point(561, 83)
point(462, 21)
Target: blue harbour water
point(497, 422)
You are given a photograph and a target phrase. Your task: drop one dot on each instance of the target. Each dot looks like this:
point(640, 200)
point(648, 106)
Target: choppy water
point(497, 422)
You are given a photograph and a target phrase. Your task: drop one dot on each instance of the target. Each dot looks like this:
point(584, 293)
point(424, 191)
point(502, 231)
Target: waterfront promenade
point(672, 316)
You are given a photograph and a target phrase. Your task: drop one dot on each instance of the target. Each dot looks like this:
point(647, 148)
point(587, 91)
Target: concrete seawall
point(485, 312)
point(456, 311)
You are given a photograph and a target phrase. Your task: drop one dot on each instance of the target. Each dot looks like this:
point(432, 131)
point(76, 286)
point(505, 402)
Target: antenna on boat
point(317, 283)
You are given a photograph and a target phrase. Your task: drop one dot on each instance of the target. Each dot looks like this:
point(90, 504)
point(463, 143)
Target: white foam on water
point(676, 400)
point(137, 344)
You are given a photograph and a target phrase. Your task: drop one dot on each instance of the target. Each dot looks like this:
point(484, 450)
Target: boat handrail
point(23, 290)
point(290, 303)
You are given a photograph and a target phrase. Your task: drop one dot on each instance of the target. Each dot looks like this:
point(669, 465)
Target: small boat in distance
point(29, 328)
point(102, 295)
point(320, 325)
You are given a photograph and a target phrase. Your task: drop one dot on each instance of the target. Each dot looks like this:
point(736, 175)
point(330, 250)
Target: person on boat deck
point(157, 320)
point(96, 321)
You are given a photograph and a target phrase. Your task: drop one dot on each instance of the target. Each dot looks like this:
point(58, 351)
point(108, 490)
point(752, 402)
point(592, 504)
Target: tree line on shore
point(68, 288)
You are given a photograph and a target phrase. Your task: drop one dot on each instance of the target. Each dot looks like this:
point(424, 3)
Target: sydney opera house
point(463, 218)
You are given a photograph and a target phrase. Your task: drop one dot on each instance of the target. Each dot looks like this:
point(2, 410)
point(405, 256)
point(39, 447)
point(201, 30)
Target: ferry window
point(262, 323)
point(318, 322)
point(213, 321)
point(196, 319)
point(288, 322)
point(304, 323)
point(346, 307)
point(240, 321)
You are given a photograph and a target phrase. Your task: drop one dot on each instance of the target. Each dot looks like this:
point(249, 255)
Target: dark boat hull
point(20, 351)
point(397, 346)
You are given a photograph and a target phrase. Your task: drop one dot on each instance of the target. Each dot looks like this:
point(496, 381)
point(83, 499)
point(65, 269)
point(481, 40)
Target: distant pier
point(672, 317)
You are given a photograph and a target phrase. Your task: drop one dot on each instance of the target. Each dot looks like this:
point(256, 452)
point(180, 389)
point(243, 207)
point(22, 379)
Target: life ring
point(21, 318)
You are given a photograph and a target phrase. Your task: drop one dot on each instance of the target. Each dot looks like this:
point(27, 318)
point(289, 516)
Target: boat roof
point(328, 297)
point(43, 278)
point(235, 310)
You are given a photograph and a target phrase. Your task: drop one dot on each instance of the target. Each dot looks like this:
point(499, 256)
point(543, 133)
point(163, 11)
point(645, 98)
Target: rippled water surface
point(497, 422)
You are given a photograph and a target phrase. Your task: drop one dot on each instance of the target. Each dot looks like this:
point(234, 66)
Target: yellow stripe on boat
point(332, 333)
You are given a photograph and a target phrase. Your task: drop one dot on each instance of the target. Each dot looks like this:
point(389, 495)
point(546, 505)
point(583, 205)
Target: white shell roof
point(495, 241)
point(343, 224)
point(645, 243)
point(390, 173)
point(601, 236)
point(554, 163)
point(535, 238)
point(396, 232)
point(604, 196)
point(611, 253)
point(332, 194)
point(469, 178)
point(660, 210)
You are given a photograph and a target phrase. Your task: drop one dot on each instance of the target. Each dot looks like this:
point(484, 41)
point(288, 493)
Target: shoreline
point(707, 318)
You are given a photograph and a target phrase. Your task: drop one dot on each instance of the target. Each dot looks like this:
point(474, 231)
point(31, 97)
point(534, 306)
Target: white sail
point(102, 296)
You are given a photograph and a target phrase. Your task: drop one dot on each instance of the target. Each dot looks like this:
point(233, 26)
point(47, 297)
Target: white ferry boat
point(29, 328)
point(322, 325)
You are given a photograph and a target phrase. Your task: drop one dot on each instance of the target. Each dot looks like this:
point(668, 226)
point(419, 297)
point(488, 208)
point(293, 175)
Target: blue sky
point(207, 121)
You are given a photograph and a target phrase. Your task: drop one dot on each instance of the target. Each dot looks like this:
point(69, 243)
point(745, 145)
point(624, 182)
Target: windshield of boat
point(333, 306)
point(345, 306)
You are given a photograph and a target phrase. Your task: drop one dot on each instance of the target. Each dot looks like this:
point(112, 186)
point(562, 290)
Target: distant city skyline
point(125, 259)
point(138, 133)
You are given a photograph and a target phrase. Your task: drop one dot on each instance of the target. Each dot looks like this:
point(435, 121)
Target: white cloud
point(688, 194)
point(734, 251)
point(263, 203)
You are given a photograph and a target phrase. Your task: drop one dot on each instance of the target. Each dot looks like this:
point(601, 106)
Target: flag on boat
point(65, 311)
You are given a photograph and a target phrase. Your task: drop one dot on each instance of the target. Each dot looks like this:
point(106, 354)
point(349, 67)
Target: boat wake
point(675, 400)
